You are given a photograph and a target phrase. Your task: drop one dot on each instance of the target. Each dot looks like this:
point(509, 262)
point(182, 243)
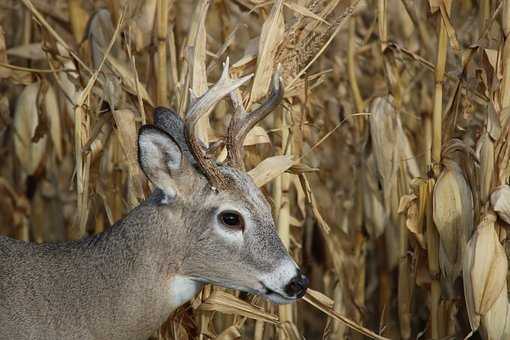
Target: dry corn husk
point(270, 168)
point(229, 304)
point(410, 205)
point(196, 58)
point(143, 24)
point(391, 148)
point(485, 269)
point(485, 153)
point(270, 38)
point(453, 217)
point(232, 332)
point(500, 202)
point(100, 33)
point(127, 133)
point(26, 120)
point(382, 131)
point(495, 325)
point(373, 207)
point(4, 72)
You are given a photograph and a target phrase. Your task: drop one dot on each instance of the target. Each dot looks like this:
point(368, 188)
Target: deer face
point(231, 237)
point(237, 245)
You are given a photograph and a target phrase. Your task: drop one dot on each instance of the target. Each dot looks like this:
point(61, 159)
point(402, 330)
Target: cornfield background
point(387, 166)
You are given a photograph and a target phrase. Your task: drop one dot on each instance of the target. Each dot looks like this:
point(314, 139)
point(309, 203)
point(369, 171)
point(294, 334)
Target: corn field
point(387, 166)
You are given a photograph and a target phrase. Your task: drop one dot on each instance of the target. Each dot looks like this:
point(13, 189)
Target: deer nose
point(297, 285)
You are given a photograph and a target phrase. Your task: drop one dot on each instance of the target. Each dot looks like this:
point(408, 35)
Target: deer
point(205, 222)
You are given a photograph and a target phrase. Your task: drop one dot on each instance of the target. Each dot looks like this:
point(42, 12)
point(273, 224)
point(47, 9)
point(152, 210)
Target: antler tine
point(242, 122)
point(202, 107)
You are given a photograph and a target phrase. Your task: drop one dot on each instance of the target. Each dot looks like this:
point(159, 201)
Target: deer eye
point(231, 219)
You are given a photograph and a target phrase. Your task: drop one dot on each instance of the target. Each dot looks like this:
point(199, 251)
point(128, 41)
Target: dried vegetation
point(388, 165)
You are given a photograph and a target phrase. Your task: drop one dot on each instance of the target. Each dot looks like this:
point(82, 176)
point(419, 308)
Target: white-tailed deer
point(204, 223)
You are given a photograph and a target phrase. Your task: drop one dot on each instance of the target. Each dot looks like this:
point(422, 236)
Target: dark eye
point(231, 219)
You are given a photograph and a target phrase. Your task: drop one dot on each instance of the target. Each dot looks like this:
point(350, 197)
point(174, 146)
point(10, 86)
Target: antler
point(202, 107)
point(242, 122)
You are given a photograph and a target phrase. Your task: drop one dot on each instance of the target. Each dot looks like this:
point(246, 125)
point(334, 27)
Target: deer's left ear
point(160, 158)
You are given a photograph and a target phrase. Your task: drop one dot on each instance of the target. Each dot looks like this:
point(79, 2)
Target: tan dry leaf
point(257, 135)
point(450, 30)
point(100, 34)
point(305, 12)
point(79, 18)
point(300, 195)
point(492, 57)
point(453, 217)
point(197, 49)
point(231, 333)
point(302, 168)
point(485, 268)
point(269, 169)
point(196, 58)
point(128, 79)
point(325, 304)
point(291, 331)
point(409, 206)
point(500, 202)
point(493, 123)
point(270, 38)
point(28, 51)
point(434, 5)
point(321, 298)
point(69, 88)
point(143, 24)
point(226, 303)
point(248, 57)
point(26, 121)
point(307, 189)
point(4, 72)
point(127, 133)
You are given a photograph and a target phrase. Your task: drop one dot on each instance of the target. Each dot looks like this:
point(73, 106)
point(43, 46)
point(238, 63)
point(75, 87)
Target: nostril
point(297, 286)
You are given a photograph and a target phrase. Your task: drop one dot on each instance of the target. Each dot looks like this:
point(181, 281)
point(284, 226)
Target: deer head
point(228, 232)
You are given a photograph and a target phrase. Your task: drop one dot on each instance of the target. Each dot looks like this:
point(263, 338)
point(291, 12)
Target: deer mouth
point(275, 296)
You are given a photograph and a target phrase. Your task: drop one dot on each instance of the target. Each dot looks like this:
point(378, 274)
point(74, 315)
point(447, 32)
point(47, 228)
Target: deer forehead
point(244, 190)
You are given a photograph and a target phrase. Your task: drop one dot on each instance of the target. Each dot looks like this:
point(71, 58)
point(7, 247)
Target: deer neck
point(138, 260)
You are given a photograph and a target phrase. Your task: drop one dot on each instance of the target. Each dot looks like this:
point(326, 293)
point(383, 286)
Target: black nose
point(297, 286)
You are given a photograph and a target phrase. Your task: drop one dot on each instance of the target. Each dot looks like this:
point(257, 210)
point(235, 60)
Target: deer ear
point(160, 158)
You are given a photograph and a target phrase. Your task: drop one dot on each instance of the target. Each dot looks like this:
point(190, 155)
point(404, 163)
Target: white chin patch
point(278, 279)
point(182, 289)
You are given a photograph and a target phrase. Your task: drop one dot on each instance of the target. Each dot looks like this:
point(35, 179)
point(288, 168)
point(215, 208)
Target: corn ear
point(500, 202)
point(495, 325)
point(453, 217)
point(485, 153)
point(29, 152)
point(485, 269)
